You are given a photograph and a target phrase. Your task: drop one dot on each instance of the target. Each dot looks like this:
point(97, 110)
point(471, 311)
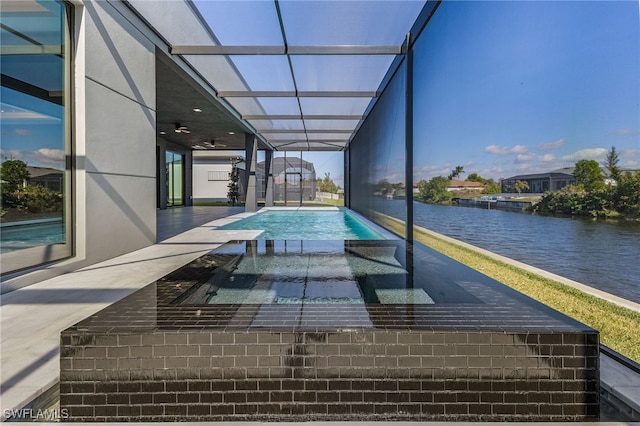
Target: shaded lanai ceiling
point(302, 74)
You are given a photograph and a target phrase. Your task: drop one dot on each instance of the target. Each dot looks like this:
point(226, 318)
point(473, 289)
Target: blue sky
point(526, 87)
point(32, 130)
point(518, 87)
point(501, 88)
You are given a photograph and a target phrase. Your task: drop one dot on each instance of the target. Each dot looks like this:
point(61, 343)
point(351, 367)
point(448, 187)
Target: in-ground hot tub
point(328, 330)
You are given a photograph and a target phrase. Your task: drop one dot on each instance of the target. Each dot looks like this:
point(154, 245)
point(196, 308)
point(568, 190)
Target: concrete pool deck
point(33, 317)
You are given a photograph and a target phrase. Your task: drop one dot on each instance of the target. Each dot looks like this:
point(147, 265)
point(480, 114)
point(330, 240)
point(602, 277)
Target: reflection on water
point(327, 272)
point(600, 254)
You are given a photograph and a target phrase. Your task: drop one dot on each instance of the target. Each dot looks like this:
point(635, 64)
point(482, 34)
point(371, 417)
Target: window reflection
point(377, 157)
point(34, 110)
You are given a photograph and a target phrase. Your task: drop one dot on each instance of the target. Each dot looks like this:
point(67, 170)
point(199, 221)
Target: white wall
point(203, 188)
point(120, 139)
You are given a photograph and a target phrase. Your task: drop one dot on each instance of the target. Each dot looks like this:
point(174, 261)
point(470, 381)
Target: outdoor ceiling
point(302, 74)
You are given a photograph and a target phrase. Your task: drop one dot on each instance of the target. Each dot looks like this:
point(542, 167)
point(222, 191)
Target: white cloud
point(504, 150)
point(630, 158)
point(48, 155)
point(430, 171)
point(43, 157)
point(547, 158)
point(523, 158)
point(553, 145)
point(586, 154)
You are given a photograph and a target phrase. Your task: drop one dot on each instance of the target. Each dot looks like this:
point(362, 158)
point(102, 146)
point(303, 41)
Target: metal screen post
point(408, 167)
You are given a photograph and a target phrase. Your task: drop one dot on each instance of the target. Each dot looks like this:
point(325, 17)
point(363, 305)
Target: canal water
point(601, 254)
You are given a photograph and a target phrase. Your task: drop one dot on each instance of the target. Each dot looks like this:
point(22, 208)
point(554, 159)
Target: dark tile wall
point(359, 374)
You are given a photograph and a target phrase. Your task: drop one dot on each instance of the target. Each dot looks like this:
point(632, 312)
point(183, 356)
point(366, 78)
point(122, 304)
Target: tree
point(490, 185)
point(521, 185)
point(384, 186)
point(588, 174)
point(327, 184)
point(627, 195)
point(234, 190)
point(434, 191)
point(611, 163)
point(38, 199)
point(13, 173)
point(456, 172)
point(474, 177)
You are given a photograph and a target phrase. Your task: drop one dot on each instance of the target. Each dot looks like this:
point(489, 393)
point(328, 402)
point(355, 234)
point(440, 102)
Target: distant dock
point(491, 203)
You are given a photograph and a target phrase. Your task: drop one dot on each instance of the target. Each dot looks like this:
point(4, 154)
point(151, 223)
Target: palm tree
point(456, 172)
point(521, 185)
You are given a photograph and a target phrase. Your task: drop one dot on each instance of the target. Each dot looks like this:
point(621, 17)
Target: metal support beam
point(299, 94)
point(287, 50)
point(325, 141)
point(408, 167)
point(289, 131)
point(302, 117)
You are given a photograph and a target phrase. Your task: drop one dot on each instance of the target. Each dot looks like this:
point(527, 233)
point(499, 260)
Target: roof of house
point(566, 172)
point(35, 172)
point(454, 183)
point(561, 173)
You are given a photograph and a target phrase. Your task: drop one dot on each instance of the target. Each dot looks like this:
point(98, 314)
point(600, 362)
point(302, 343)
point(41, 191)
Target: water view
point(603, 255)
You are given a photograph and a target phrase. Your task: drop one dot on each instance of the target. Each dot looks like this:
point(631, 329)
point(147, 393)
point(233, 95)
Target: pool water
point(304, 273)
point(339, 224)
point(33, 234)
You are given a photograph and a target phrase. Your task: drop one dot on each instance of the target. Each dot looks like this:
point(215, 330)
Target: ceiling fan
point(209, 144)
point(182, 129)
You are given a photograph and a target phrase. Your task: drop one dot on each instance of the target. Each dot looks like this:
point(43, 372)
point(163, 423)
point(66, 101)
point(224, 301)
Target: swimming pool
point(290, 330)
point(308, 273)
point(338, 224)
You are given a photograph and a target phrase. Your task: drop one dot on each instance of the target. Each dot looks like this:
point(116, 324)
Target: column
point(268, 178)
point(251, 202)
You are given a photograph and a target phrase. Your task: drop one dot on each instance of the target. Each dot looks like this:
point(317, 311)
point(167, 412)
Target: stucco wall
point(119, 137)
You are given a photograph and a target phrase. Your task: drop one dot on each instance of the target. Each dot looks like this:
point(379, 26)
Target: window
point(175, 179)
point(35, 65)
point(217, 175)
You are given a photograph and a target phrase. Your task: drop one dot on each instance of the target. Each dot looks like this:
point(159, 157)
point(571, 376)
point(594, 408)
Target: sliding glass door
point(175, 179)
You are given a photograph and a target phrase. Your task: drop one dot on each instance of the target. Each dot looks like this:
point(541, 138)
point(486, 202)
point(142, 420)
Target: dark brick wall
point(349, 375)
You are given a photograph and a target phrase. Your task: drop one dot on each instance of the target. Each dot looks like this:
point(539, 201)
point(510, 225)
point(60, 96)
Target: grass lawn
point(618, 326)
